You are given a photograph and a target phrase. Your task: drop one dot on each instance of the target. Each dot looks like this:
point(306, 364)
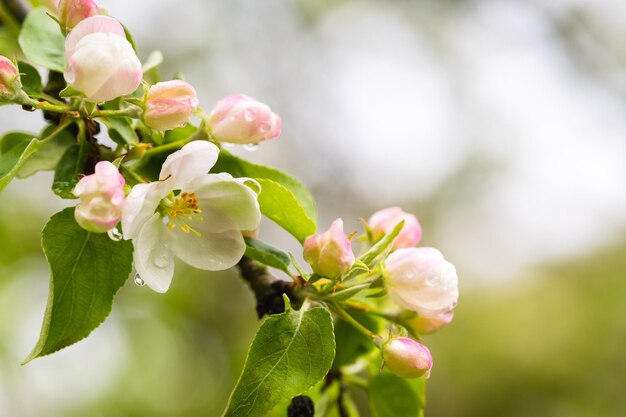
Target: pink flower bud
point(170, 104)
point(242, 119)
point(427, 325)
point(420, 279)
point(72, 12)
point(407, 358)
point(329, 253)
point(99, 61)
point(384, 221)
point(10, 86)
point(101, 198)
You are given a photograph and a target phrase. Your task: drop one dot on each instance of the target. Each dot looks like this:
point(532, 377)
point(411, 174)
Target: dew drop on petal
point(139, 281)
point(251, 147)
point(115, 234)
point(228, 145)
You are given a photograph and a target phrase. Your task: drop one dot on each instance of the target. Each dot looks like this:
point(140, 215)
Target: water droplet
point(228, 145)
point(115, 234)
point(139, 281)
point(251, 147)
point(249, 115)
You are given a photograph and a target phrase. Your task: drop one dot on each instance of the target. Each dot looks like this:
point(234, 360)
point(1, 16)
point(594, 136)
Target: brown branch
point(268, 290)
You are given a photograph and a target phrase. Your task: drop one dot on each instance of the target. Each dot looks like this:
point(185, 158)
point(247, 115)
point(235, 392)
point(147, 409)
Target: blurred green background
point(499, 123)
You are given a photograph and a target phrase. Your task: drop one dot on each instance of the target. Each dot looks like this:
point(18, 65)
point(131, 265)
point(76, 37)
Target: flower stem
point(343, 314)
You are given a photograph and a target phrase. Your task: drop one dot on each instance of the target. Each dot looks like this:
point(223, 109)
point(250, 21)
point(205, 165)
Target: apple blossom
point(101, 198)
point(10, 85)
point(244, 120)
point(426, 325)
point(329, 253)
point(407, 358)
point(384, 221)
point(99, 60)
point(420, 279)
point(72, 12)
point(169, 104)
point(189, 214)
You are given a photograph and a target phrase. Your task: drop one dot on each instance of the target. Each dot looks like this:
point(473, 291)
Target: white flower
point(420, 279)
point(188, 213)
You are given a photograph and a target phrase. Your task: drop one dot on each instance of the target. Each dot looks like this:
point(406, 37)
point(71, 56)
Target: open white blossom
point(189, 213)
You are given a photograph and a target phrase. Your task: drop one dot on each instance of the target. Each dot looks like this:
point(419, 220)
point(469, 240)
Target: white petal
point(140, 205)
point(154, 260)
point(226, 203)
point(210, 251)
point(192, 160)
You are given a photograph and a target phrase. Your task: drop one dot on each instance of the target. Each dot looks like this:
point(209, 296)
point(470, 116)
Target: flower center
point(180, 211)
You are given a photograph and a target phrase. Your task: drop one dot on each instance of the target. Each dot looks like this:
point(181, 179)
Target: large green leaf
point(267, 255)
point(15, 158)
point(392, 396)
point(238, 167)
point(30, 78)
point(41, 40)
point(87, 270)
point(71, 165)
point(291, 353)
point(121, 130)
point(280, 205)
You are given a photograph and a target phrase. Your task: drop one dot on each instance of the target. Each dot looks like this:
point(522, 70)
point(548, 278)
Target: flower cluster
point(419, 280)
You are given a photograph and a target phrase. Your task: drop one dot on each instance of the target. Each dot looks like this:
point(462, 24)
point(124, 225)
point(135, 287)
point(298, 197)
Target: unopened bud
point(329, 253)
point(169, 104)
point(384, 221)
point(407, 358)
point(101, 198)
point(72, 12)
point(244, 120)
point(10, 85)
point(427, 325)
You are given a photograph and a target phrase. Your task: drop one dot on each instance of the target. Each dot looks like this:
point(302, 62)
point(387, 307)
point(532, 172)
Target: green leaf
point(238, 167)
point(291, 353)
point(369, 258)
point(11, 139)
point(280, 205)
point(30, 78)
point(42, 41)
point(87, 270)
point(69, 92)
point(69, 169)
point(392, 396)
point(266, 254)
point(15, 158)
point(121, 130)
point(48, 157)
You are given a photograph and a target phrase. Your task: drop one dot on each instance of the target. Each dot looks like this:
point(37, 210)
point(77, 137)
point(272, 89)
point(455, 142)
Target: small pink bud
point(99, 60)
point(329, 253)
point(169, 104)
point(101, 198)
point(420, 279)
point(427, 325)
point(407, 358)
point(72, 12)
point(384, 221)
point(10, 86)
point(244, 120)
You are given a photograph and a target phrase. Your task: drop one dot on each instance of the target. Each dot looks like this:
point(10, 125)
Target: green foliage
point(15, 158)
point(30, 78)
point(238, 167)
point(351, 343)
point(42, 41)
point(87, 270)
point(71, 165)
point(121, 130)
point(291, 353)
point(392, 396)
point(371, 256)
point(48, 157)
point(280, 205)
point(267, 255)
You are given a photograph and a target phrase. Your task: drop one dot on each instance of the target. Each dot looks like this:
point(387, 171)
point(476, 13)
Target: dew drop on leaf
point(139, 281)
point(115, 234)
